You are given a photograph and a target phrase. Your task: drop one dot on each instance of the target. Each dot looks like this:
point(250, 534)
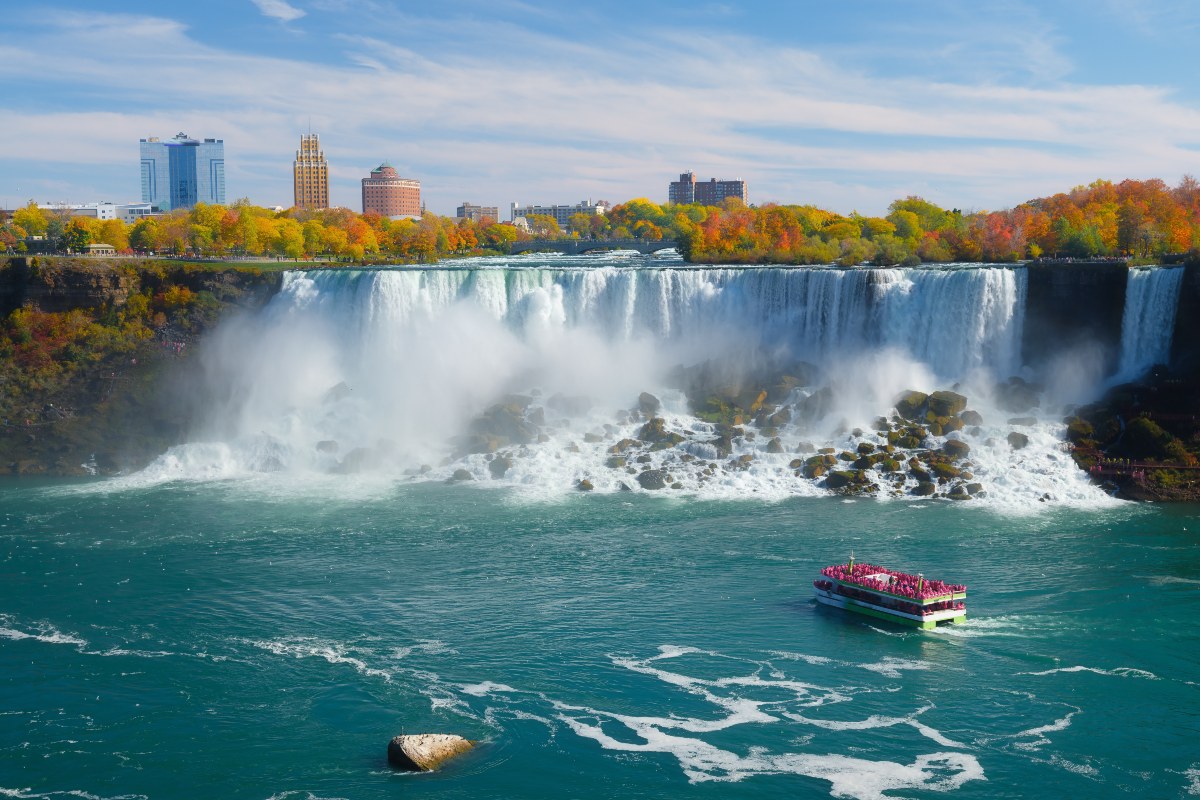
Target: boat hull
point(924, 622)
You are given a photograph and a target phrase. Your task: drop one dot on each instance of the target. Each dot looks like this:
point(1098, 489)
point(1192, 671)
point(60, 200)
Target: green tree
point(77, 236)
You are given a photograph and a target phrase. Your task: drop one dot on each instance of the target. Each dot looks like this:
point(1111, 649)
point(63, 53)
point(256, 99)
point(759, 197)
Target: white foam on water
point(331, 652)
point(425, 646)
point(1085, 770)
point(1038, 734)
point(1120, 672)
point(702, 761)
point(848, 777)
point(38, 631)
point(1016, 627)
point(28, 794)
point(1168, 580)
point(815, 660)
point(486, 688)
point(891, 667)
point(878, 721)
point(1193, 776)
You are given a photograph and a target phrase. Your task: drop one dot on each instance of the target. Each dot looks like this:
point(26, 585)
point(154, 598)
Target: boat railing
point(898, 584)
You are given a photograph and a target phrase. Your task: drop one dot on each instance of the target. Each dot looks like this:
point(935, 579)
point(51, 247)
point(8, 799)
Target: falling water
point(1151, 299)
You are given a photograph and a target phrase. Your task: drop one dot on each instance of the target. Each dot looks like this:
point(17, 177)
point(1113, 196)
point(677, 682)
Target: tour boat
point(887, 594)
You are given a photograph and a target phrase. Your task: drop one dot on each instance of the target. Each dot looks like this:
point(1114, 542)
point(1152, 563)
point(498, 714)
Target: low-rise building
point(128, 213)
point(712, 192)
point(478, 213)
point(561, 214)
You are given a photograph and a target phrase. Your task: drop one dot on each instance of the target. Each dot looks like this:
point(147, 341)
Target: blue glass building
point(182, 171)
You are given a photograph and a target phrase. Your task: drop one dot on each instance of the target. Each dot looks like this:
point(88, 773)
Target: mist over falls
point(719, 382)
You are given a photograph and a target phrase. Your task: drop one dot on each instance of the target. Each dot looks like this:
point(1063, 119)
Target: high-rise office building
point(310, 174)
point(387, 194)
point(707, 193)
point(182, 171)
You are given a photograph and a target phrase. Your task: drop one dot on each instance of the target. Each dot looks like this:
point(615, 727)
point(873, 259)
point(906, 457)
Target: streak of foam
point(1120, 672)
point(1193, 776)
point(849, 777)
point(28, 794)
point(891, 667)
point(331, 652)
point(486, 688)
point(40, 631)
point(1010, 627)
point(1039, 734)
point(1086, 770)
point(702, 761)
point(877, 721)
point(807, 659)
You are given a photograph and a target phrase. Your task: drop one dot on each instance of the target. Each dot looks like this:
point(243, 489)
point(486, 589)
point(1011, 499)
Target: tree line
point(1142, 219)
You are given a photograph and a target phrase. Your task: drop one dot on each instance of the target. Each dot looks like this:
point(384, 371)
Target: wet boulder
point(816, 405)
point(970, 417)
point(499, 466)
point(947, 404)
point(1018, 440)
point(426, 751)
point(956, 449)
point(911, 405)
point(925, 489)
point(648, 404)
point(652, 479)
point(505, 421)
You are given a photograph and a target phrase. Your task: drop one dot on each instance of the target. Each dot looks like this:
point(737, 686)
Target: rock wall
point(1185, 349)
point(56, 285)
point(1074, 306)
point(63, 284)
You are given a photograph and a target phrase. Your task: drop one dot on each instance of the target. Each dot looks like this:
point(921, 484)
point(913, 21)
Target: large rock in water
point(653, 479)
point(947, 404)
point(956, 449)
point(648, 404)
point(425, 751)
point(911, 405)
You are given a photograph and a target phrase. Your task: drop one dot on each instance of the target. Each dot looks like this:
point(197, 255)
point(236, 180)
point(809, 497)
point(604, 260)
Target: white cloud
point(278, 9)
point(490, 112)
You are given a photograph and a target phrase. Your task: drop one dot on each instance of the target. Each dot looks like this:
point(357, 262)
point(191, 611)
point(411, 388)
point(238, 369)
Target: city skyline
point(971, 108)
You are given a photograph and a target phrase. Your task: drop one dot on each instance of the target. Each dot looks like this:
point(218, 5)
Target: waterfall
point(533, 377)
point(953, 320)
point(1151, 300)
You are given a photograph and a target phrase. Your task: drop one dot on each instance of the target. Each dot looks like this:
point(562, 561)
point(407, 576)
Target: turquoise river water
point(254, 639)
point(379, 531)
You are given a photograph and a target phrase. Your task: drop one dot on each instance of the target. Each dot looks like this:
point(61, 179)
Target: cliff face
point(55, 285)
point(1074, 305)
point(111, 394)
point(1185, 350)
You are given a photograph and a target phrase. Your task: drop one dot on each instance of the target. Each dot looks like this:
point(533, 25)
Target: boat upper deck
point(914, 588)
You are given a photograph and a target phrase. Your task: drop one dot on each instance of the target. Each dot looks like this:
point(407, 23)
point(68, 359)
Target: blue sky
point(846, 106)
